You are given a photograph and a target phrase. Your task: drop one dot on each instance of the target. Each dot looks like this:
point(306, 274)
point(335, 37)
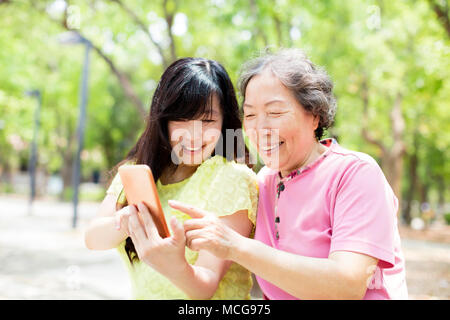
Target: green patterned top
point(218, 186)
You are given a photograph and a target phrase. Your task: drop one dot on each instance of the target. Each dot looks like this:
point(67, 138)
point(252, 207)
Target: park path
point(42, 257)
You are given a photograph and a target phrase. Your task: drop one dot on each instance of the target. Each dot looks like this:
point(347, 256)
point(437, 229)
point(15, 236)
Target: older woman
point(326, 225)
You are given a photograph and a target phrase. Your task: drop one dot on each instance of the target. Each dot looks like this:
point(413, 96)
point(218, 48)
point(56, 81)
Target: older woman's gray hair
point(311, 85)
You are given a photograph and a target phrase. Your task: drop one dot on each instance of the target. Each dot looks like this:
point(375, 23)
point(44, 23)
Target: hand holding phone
point(140, 186)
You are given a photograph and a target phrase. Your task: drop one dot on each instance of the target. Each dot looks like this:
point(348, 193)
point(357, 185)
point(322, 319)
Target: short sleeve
point(233, 187)
point(116, 189)
point(364, 214)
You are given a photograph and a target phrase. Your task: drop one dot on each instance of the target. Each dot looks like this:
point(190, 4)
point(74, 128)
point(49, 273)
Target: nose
point(264, 129)
point(194, 133)
point(262, 123)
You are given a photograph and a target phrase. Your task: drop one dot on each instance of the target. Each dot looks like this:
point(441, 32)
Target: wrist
point(181, 276)
point(241, 247)
point(177, 270)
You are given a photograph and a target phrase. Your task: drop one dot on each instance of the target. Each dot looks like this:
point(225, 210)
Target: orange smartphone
point(140, 186)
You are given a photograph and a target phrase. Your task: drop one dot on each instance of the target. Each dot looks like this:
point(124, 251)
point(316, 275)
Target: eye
point(249, 116)
point(275, 114)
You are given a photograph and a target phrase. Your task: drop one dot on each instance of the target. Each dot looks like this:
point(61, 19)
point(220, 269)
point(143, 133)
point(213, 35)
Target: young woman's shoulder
point(219, 167)
point(228, 186)
point(116, 188)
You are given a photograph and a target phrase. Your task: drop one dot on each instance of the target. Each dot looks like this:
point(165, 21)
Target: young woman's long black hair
point(185, 92)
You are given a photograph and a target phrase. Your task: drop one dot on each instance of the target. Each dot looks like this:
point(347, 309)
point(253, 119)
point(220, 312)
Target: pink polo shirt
point(341, 202)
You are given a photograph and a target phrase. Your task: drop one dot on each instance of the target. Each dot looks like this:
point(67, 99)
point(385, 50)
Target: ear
point(316, 121)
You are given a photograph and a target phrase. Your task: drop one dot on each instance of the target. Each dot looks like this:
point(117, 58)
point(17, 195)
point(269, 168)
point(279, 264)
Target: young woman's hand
point(165, 255)
point(122, 217)
point(207, 232)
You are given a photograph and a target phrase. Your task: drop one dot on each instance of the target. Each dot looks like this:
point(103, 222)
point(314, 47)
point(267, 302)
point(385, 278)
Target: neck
point(176, 174)
point(315, 151)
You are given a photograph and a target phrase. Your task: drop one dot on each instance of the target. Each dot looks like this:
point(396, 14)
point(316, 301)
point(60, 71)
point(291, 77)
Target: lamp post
point(33, 154)
point(76, 38)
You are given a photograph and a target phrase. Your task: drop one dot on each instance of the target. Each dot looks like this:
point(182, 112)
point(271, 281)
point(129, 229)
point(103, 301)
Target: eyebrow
point(212, 113)
point(266, 104)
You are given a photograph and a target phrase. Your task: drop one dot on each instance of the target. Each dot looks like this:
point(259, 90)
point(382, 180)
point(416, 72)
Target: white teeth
point(271, 147)
point(192, 149)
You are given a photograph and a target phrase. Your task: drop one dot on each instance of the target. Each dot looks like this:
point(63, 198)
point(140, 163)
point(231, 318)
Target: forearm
point(102, 234)
point(198, 283)
point(302, 277)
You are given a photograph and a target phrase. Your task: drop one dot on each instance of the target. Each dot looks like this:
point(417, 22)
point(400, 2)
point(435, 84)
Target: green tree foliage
point(389, 61)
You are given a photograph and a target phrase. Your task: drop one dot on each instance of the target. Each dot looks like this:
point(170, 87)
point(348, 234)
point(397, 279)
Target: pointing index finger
point(193, 212)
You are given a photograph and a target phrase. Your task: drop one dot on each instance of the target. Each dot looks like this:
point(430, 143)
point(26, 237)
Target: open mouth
point(271, 148)
point(191, 150)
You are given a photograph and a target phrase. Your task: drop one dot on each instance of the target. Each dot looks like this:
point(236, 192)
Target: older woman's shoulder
point(351, 157)
point(266, 174)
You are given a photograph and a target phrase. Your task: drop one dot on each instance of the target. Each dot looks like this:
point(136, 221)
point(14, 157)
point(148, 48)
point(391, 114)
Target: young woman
point(185, 145)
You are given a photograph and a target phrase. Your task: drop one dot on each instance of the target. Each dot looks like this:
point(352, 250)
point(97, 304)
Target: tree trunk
point(397, 152)
point(257, 30)
point(391, 158)
point(424, 187)
point(441, 9)
point(413, 165)
point(392, 166)
point(169, 16)
point(6, 173)
point(441, 193)
point(66, 174)
point(142, 25)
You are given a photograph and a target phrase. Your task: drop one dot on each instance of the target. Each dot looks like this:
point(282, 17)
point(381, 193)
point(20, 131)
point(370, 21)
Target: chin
point(195, 161)
point(277, 163)
point(191, 162)
point(272, 163)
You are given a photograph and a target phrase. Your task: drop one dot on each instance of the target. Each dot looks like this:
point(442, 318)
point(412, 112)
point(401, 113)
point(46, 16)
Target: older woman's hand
point(207, 232)
point(167, 255)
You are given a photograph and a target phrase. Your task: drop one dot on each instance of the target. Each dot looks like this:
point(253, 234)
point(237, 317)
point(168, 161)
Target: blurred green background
point(389, 60)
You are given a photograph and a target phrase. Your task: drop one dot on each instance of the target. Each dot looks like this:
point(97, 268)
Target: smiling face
point(276, 123)
point(193, 141)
